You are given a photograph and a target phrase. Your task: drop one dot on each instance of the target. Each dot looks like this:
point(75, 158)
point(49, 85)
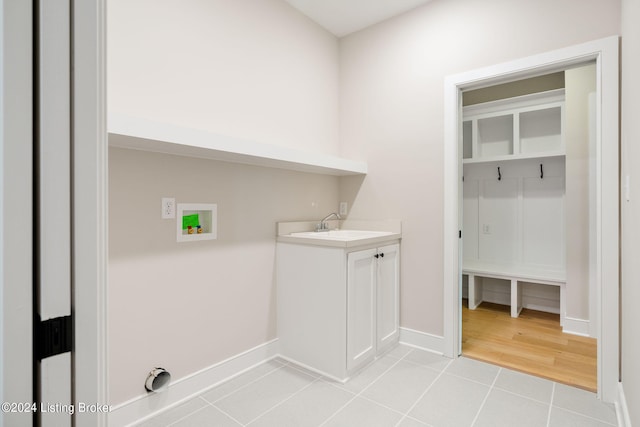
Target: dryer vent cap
point(158, 380)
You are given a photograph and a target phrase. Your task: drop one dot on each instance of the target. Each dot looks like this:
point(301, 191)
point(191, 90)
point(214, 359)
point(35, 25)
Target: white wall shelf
point(207, 215)
point(146, 135)
point(510, 157)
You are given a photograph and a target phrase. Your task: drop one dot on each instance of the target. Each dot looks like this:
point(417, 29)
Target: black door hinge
point(53, 337)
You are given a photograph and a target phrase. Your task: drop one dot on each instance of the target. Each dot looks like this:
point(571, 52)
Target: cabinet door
point(361, 306)
point(388, 293)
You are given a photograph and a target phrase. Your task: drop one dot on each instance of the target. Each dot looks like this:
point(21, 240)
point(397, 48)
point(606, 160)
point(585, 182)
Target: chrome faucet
point(323, 226)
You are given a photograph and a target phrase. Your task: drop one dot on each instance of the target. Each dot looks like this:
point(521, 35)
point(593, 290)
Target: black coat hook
point(499, 174)
point(541, 172)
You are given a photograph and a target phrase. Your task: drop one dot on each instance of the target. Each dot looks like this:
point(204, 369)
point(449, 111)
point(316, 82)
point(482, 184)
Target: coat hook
point(499, 174)
point(541, 172)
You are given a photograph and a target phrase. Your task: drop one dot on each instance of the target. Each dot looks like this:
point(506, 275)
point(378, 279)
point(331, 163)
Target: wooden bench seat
point(515, 274)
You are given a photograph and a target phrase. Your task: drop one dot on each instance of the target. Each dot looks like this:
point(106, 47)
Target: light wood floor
point(533, 343)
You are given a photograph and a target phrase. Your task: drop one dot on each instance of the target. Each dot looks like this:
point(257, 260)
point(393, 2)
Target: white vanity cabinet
point(372, 303)
point(337, 307)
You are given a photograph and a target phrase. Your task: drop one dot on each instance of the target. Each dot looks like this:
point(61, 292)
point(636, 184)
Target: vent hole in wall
point(158, 380)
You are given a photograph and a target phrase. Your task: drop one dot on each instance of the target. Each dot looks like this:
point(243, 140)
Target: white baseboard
point(576, 326)
point(148, 405)
point(312, 369)
point(622, 410)
point(422, 340)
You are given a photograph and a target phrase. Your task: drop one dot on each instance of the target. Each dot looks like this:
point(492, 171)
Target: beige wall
point(392, 77)
point(258, 70)
point(187, 306)
point(631, 209)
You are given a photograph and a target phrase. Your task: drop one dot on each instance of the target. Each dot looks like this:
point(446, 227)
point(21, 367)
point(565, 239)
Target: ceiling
point(342, 17)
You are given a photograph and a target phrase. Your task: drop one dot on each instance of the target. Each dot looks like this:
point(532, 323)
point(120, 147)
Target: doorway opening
point(604, 321)
point(528, 228)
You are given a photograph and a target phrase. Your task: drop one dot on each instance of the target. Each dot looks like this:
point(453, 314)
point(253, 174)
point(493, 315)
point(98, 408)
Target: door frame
point(605, 53)
point(16, 206)
point(90, 209)
point(89, 214)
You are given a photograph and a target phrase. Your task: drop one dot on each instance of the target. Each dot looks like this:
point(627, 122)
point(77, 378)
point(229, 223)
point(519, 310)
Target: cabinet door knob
point(382, 255)
point(376, 255)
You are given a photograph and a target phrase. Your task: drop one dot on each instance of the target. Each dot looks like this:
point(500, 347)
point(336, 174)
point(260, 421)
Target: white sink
point(341, 235)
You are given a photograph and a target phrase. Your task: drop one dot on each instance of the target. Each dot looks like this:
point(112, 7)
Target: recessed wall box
point(202, 217)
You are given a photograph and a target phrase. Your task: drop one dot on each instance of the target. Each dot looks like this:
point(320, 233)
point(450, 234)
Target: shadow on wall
point(349, 188)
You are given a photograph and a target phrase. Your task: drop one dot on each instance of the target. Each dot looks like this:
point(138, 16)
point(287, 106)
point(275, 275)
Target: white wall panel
point(498, 221)
point(543, 226)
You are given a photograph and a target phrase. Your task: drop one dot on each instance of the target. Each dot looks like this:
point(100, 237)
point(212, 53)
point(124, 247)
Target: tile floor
point(406, 387)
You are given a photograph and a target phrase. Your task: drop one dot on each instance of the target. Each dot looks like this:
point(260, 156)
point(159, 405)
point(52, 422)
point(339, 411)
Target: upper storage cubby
point(516, 128)
point(541, 130)
point(495, 136)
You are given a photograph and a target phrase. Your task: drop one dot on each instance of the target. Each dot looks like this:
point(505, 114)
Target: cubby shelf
point(525, 127)
point(146, 135)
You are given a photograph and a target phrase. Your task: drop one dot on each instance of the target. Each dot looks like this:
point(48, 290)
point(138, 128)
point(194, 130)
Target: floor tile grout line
point(227, 414)
point(469, 379)
point(484, 401)
point(522, 395)
point(360, 392)
point(331, 383)
point(221, 410)
point(409, 417)
point(187, 416)
point(239, 388)
point(582, 414)
point(424, 392)
point(184, 416)
point(553, 393)
point(315, 380)
point(403, 414)
point(423, 365)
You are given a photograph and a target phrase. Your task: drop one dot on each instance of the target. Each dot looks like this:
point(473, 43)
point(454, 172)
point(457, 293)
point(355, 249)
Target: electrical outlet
point(343, 208)
point(486, 228)
point(168, 208)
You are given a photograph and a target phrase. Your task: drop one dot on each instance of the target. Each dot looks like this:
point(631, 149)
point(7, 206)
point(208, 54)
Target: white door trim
point(605, 53)
point(90, 209)
point(16, 157)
